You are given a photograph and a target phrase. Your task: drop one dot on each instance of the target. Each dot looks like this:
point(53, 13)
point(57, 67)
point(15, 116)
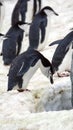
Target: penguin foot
point(27, 90)
point(22, 90)
point(64, 74)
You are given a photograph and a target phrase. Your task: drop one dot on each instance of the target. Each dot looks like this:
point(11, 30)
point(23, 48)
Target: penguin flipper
point(42, 27)
point(19, 42)
point(25, 66)
point(55, 42)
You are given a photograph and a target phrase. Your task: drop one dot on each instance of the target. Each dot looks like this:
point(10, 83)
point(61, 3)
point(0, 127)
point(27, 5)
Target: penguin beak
point(27, 23)
point(3, 37)
point(51, 79)
point(1, 34)
point(22, 26)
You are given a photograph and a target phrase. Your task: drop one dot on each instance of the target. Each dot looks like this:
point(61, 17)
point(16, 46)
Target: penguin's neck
point(44, 67)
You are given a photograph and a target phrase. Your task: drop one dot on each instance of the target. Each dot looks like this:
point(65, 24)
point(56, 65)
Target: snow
point(46, 106)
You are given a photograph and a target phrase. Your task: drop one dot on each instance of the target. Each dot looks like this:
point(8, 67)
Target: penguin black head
point(48, 10)
point(47, 69)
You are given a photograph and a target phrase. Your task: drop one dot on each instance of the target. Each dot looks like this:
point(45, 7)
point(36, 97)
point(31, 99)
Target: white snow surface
point(46, 106)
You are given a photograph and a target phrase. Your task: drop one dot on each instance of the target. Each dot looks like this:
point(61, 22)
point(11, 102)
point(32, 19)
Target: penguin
point(22, 8)
point(39, 28)
point(36, 7)
point(23, 68)
point(61, 60)
point(12, 45)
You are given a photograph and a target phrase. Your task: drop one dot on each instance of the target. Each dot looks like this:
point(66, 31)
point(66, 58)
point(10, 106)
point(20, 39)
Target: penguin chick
point(61, 60)
point(12, 45)
point(24, 66)
point(39, 29)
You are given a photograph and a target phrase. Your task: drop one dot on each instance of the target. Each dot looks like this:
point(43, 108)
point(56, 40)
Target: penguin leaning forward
point(39, 28)
point(23, 68)
point(61, 60)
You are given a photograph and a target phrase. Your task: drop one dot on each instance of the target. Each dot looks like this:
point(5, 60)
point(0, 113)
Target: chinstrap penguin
point(12, 45)
point(39, 28)
point(61, 60)
point(23, 8)
point(24, 66)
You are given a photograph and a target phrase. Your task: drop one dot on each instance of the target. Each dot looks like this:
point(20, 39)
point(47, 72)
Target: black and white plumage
point(61, 60)
point(12, 45)
point(39, 29)
point(25, 65)
point(23, 7)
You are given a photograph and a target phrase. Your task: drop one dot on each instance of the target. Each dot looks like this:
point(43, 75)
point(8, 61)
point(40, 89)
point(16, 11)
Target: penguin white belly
point(45, 42)
point(28, 75)
point(29, 12)
point(29, 15)
point(66, 63)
